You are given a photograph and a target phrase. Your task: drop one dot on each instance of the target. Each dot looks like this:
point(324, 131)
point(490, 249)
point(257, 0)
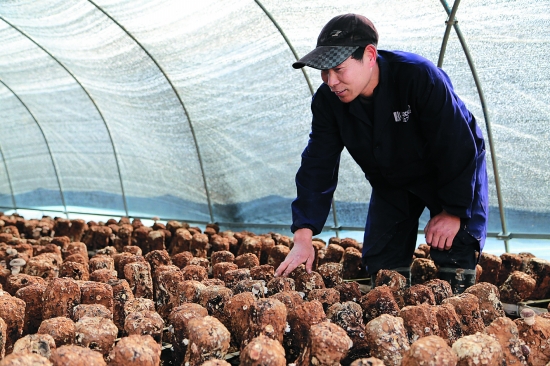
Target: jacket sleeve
point(317, 176)
point(454, 141)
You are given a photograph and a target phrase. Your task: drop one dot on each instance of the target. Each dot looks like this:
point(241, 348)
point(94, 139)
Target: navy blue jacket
point(423, 140)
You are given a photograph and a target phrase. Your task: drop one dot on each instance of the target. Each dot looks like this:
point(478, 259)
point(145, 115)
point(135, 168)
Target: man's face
point(352, 77)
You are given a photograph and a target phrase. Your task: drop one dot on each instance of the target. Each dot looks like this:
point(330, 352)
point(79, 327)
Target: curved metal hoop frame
point(49, 151)
point(199, 156)
point(89, 97)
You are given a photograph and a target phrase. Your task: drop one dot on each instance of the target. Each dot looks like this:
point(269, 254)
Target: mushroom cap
point(11, 251)
point(17, 262)
point(527, 313)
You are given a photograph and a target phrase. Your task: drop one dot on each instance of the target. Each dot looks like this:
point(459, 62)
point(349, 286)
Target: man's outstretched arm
point(301, 252)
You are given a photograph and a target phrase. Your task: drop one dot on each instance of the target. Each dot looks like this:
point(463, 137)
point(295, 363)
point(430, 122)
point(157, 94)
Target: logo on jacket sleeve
point(402, 116)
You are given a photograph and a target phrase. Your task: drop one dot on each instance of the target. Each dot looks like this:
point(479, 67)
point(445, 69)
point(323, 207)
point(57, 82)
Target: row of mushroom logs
point(206, 308)
point(466, 327)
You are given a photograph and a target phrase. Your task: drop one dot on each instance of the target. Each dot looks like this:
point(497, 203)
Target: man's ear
point(370, 55)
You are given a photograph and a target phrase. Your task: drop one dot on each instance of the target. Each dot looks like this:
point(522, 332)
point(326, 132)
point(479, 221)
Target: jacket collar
point(383, 102)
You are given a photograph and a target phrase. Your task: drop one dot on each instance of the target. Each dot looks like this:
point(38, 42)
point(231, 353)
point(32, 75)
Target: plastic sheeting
point(192, 111)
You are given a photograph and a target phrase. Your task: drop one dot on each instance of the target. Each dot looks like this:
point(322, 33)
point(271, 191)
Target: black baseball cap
point(338, 39)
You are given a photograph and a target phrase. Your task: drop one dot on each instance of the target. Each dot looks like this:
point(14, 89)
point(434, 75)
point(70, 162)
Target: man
point(399, 118)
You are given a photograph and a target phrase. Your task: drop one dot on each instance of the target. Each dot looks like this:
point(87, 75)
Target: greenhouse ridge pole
point(336, 227)
point(505, 235)
point(89, 97)
point(49, 151)
point(199, 155)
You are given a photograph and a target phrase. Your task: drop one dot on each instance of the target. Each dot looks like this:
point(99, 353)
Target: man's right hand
point(302, 252)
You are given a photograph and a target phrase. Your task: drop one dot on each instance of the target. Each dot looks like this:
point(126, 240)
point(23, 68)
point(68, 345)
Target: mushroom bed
point(123, 293)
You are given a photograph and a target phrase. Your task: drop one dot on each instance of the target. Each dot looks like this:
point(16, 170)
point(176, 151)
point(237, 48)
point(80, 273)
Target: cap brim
point(325, 57)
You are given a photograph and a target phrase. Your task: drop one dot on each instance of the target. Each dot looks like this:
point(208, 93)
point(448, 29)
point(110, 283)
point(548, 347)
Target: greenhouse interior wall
point(191, 111)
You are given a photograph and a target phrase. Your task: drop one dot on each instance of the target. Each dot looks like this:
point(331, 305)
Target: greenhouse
point(149, 152)
point(192, 111)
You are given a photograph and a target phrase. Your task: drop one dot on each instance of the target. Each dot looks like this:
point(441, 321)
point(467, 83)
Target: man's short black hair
point(358, 54)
